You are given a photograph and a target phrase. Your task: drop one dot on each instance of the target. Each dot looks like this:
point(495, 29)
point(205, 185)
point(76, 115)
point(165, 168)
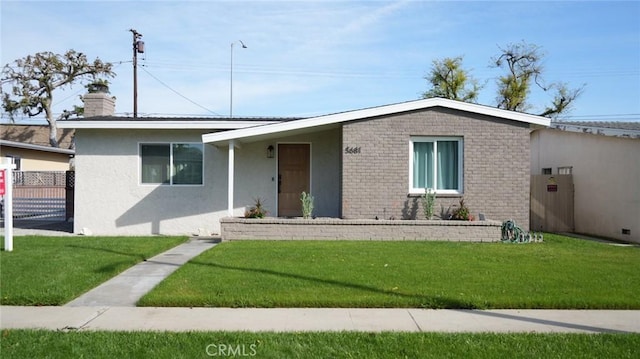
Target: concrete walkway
point(316, 319)
point(125, 289)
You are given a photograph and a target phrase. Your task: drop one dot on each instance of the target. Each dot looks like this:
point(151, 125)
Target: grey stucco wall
point(495, 165)
point(256, 176)
point(110, 200)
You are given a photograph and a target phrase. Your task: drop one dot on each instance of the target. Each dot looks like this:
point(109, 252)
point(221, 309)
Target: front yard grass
point(562, 273)
point(50, 344)
point(54, 270)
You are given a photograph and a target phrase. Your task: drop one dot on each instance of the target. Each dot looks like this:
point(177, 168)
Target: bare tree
point(523, 63)
point(34, 78)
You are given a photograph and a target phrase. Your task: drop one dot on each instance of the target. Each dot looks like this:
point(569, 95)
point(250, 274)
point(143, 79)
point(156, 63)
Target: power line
point(178, 93)
point(605, 117)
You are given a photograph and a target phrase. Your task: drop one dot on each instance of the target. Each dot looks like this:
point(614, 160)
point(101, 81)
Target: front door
point(293, 177)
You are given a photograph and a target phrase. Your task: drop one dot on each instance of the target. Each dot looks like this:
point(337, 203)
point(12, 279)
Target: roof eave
point(162, 125)
point(224, 137)
point(30, 146)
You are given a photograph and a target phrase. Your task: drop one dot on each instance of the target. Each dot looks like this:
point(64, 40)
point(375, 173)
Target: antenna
point(138, 47)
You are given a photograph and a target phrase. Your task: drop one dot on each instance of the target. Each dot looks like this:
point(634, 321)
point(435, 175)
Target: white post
point(8, 167)
point(232, 146)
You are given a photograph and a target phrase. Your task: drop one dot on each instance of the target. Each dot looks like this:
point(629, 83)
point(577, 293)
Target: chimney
point(98, 104)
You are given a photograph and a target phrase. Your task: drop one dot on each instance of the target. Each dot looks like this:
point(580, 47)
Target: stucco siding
point(256, 176)
point(606, 175)
point(495, 165)
point(110, 199)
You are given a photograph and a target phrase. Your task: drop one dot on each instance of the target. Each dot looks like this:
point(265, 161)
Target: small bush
point(461, 213)
point(428, 201)
point(257, 211)
point(307, 204)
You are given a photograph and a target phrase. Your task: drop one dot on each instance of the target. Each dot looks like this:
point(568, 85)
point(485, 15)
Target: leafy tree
point(449, 80)
point(523, 63)
point(33, 80)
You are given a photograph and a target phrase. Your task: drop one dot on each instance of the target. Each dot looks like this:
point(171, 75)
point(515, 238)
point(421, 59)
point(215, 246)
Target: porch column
point(232, 145)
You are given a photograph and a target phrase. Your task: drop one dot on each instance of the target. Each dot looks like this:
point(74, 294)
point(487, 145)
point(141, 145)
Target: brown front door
point(293, 177)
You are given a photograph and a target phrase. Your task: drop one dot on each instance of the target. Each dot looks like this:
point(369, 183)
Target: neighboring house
point(604, 161)
point(28, 146)
point(182, 175)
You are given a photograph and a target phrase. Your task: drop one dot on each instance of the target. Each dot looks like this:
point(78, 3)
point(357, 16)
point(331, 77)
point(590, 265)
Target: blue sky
point(307, 58)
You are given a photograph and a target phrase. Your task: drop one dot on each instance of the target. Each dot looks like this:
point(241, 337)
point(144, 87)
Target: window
point(567, 170)
point(171, 163)
point(436, 162)
point(546, 171)
point(16, 160)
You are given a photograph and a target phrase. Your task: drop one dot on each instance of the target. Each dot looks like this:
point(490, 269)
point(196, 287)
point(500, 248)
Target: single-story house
point(603, 159)
point(28, 146)
point(183, 175)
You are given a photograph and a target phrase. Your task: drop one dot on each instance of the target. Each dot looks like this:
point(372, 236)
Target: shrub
point(461, 213)
point(257, 211)
point(307, 204)
point(428, 201)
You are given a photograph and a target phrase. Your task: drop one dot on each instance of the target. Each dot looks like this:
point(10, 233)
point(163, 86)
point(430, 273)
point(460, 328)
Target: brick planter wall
point(359, 229)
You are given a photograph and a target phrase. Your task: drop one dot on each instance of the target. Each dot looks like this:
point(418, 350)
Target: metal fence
point(43, 195)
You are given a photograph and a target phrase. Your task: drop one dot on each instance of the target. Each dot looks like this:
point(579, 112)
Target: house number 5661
point(352, 150)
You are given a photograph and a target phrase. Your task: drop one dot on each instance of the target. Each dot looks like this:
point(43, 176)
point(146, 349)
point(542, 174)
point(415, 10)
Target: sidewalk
point(315, 319)
point(111, 306)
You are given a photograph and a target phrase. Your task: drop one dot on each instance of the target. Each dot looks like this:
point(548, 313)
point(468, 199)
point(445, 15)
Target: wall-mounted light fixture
point(270, 151)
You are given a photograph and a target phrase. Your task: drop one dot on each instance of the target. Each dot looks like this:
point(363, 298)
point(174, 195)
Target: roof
point(606, 128)
point(28, 146)
point(220, 138)
point(216, 123)
point(35, 135)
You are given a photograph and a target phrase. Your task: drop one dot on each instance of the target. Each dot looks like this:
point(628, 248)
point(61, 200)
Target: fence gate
point(552, 203)
point(42, 195)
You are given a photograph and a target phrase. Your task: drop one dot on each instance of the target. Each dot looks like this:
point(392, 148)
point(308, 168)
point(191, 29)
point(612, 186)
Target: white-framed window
point(565, 170)
point(171, 163)
point(436, 163)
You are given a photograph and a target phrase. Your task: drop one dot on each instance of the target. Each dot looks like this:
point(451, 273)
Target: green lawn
point(55, 270)
point(49, 344)
point(560, 273)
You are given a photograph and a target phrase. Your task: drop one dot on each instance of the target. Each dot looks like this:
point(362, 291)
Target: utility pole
point(138, 47)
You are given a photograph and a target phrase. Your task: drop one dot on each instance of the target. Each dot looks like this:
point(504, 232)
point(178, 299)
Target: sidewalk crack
point(414, 320)
point(99, 313)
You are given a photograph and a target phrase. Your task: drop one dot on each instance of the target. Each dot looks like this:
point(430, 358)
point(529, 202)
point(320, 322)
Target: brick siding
point(375, 179)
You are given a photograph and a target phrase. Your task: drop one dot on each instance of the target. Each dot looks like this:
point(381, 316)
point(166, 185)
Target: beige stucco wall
point(31, 160)
point(606, 174)
point(110, 200)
